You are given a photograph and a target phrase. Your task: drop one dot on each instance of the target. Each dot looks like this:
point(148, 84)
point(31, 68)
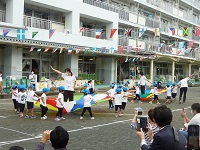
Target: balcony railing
point(43, 23)
point(92, 33)
point(2, 16)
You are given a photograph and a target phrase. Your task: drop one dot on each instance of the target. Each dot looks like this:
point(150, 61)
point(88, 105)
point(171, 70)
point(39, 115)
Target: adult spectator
point(195, 110)
point(143, 80)
point(32, 77)
point(59, 138)
point(167, 138)
point(69, 83)
point(153, 125)
point(183, 84)
point(1, 83)
point(16, 148)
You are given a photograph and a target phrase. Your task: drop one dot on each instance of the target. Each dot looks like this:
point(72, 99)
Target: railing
point(41, 23)
point(2, 16)
point(92, 33)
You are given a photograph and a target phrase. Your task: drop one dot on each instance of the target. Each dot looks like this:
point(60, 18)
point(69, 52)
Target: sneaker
point(92, 118)
point(81, 117)
point(158, 103)
point(27, 116)
point(43, 118)
point(21, 115)
point(33, 116)
point(62, 118)
point(150, 102)
point(57, 119)
point(120, 115)
point(116, 115)
point(17, 112)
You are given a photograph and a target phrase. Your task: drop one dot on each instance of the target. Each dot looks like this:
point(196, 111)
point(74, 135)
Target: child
point(14, 98)
point(118, 102)
point(85, 86)
point(155, 91)
point(174, 91)
point(22, 99)
point(30, 102)
point(124, 99)
point(137, 93)
point(87, 103)
point(43, 104)
point(111, 93)
point(59, 104)
point(169, 94)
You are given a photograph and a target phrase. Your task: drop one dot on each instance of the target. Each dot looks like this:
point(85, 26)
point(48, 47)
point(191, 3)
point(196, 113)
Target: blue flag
point(21, 34)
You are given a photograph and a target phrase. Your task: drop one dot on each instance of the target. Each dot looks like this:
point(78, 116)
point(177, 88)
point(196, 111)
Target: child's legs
point(123, 105)
point(156, 97)
point(14, 102)
point(143, 89)
point(22, 106)
point(181, 93)
point(45, 110)
point(42, 110)
point(84, 109)
point(138, 97)
point(90, 111)
point(110, 103)
point(184, 93)
point(60, 112)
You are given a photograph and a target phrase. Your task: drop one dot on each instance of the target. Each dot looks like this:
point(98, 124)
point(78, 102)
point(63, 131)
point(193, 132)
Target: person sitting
point(59, 138)
point(194, 121)
point(168, 138)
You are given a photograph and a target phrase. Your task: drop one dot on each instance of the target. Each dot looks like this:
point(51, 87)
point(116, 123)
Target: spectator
point(16, 148)
point(167, 138)
point(59, 138)
point(194, 121)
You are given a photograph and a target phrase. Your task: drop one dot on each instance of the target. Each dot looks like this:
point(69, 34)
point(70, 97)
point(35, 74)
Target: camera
point(139, 110)
point(193, 137)
point(142, 122)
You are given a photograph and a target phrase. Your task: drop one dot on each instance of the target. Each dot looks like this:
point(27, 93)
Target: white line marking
point(16, 131)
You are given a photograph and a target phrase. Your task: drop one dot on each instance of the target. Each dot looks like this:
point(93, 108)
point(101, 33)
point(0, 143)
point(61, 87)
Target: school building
point(157, 29)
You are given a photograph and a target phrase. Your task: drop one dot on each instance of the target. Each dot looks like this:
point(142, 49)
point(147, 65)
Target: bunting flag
point(129, 48)
point(70, 51)
point(126, 60)
point(34, 34)
point(51, 32)
point(137, 49)
point(46, 50)
point(133, 59)
point(129, 59)
point(86, 50)
point(160, 46)
point(39, 50)
point(197, 31)
point(172, 31)
point(112, 32)
point(181, 45)
point(54, 50)
point(5, 32)
point(21, 34)
point(82, 29)
point(120, 49)
point(111, 50)
point(157, 31)
point(185, 31)
point(171, 45)
point(141, 32)
point(127, 31)
point(190, 44)
point(67, 31)
point(78, 50)
point(150, 46)
point(61, 50)
point(94, 49)
point(179, 51)
point(141, 58)
point(32, 48)
point(98, 33)
point(103, 49)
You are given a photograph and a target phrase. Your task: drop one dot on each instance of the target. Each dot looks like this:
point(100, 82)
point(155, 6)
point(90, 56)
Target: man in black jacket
point(167, 137)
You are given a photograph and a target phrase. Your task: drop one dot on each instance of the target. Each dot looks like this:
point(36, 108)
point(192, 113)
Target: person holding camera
point(151, 122)
point(167, 138)
point(58, 137)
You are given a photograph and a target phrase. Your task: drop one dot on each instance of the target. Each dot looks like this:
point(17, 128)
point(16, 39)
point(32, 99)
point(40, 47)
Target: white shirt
point(118, 99)
point(87, 100)
point(32, 77)
point(143, 80)
point(125, 97)
point(137, 90)
point(30, 95)
point(14, 92)
point(111, 92)
point(21, 97)
point(44, 99)
point(155, 91)
point(61, 97)
point(194, 121)
point(69, 82)
point(89, 85)
point(183, 82)
point(169, 91)
point(174, 89)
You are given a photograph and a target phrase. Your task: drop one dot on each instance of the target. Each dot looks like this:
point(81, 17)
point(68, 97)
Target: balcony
point(43, 23)
point(92, 33)
point(2, 16)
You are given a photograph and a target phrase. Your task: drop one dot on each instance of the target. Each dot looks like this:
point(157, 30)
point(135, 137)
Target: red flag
point(120, 49)
point(70, 51)
point(78, 50)
point(179, 51)
point(190, 44)
point(46, 49)
point(137, 49)
point(83, 29)
point(61, 50)
point(112, 32)
point(51, 32)
point(32, 48)
point(197, 31)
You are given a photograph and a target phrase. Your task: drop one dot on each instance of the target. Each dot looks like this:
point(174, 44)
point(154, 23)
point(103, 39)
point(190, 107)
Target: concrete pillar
point(15, 12)
point(151, 70)
point(173, 69)
point(12, 61)
point(72, 22)
point(70, 61)
point(189, 69)
point(99, 68)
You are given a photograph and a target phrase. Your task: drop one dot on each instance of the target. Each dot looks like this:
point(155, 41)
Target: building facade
point(39, 16)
